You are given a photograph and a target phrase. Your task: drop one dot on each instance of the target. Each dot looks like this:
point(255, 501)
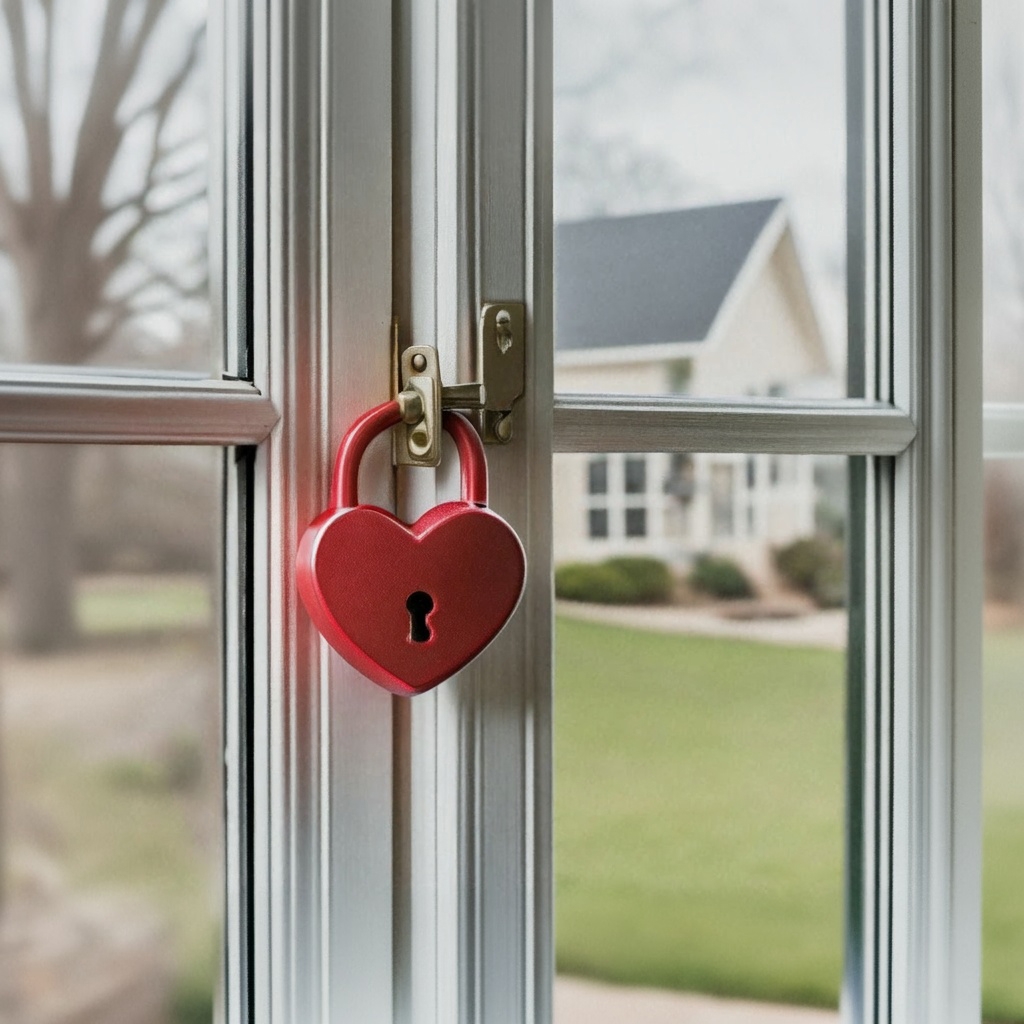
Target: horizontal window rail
point(646, 423)
point(121, 408)
point(1004, 430)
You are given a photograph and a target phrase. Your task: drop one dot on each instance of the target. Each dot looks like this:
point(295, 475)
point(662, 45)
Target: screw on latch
point(503, 428)
point(503, 331)
point(422, 400)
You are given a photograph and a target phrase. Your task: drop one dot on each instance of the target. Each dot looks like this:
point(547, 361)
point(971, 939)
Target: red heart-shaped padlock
point(408, 606)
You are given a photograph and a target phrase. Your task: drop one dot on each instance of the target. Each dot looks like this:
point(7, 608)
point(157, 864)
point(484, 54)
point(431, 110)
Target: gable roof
point(650, 279)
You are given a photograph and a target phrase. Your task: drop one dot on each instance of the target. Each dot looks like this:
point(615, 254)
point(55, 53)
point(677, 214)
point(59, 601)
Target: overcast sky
point(667, 103)
point(727, 100)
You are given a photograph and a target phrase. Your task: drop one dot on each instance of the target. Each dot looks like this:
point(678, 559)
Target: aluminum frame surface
point(644, 423)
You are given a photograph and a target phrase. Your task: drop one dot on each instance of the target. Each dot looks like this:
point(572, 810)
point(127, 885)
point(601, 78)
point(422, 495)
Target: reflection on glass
point(699, 737)
point(103, 164)
point(1003, 702)
point(111, 790)
point(700, 239)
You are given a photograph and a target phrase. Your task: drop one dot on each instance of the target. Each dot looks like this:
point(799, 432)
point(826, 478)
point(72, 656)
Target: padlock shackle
point(345, 481)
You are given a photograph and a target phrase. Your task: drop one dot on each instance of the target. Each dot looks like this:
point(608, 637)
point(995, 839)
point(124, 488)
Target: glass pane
point(1003, 701)
point(111, 787)
point(700, 237)
point(598, 476)
point(1003, 698)
point(1003, 162)
point(699, 778)
point(104, 118)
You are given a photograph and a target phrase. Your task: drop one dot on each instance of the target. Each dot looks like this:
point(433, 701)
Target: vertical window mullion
point(321, 309)
point(936, 555)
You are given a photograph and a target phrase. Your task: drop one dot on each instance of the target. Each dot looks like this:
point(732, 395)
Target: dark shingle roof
point(650, 279)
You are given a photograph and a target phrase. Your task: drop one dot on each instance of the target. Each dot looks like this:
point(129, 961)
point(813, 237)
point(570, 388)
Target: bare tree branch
point(158, 211)
point(8, 209)
point(99, 134)
point(119, 250)
point(35, 115)
point(138, 199)
point(163, 103)
point(119, 317)
point(160, 108)
point(133, 304)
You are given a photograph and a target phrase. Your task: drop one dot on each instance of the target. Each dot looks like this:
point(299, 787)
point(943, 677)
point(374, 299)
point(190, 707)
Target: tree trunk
point(42, 557)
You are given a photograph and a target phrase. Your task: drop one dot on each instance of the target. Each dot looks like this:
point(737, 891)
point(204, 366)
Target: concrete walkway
point(591, 1002)
point(791, 628)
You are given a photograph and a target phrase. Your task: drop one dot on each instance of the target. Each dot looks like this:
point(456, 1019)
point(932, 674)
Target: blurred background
point(700, 249)
point(111, 792)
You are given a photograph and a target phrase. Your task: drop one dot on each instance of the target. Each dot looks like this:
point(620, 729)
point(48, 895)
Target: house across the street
point(708, 301)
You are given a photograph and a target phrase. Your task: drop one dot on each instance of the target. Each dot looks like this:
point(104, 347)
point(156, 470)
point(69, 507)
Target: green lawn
point(1003, 893)
point(698, 816)
point(150, 810)
point(145, 604)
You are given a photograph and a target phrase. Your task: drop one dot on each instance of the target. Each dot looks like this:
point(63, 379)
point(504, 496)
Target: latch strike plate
point(501, 357)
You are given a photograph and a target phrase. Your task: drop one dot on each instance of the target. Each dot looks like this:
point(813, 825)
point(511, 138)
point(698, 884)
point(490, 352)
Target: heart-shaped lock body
point(409, 605)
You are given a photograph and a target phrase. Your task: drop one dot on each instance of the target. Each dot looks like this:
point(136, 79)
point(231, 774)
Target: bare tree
point(600, 170)
point(1004, 227)
point(81, 215)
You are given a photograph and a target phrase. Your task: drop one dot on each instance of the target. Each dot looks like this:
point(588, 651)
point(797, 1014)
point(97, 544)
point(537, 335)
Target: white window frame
point(390, 860)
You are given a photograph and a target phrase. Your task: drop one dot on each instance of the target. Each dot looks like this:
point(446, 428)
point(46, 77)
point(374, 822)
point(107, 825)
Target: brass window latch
point(501, 359)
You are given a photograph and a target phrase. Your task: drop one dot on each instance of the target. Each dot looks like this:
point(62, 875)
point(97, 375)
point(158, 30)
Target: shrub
point(720, 577)
point(616, 581)
point(650, 578)
point(814, 566)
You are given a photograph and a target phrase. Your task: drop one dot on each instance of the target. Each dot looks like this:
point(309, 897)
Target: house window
point(635, 473)
point(636, 522)
point(635, 512)
point(597, 498)
point(723, 501)
point(597, 523)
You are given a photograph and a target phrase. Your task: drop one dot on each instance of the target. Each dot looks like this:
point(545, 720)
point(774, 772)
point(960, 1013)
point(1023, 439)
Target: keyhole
point(419, 605)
